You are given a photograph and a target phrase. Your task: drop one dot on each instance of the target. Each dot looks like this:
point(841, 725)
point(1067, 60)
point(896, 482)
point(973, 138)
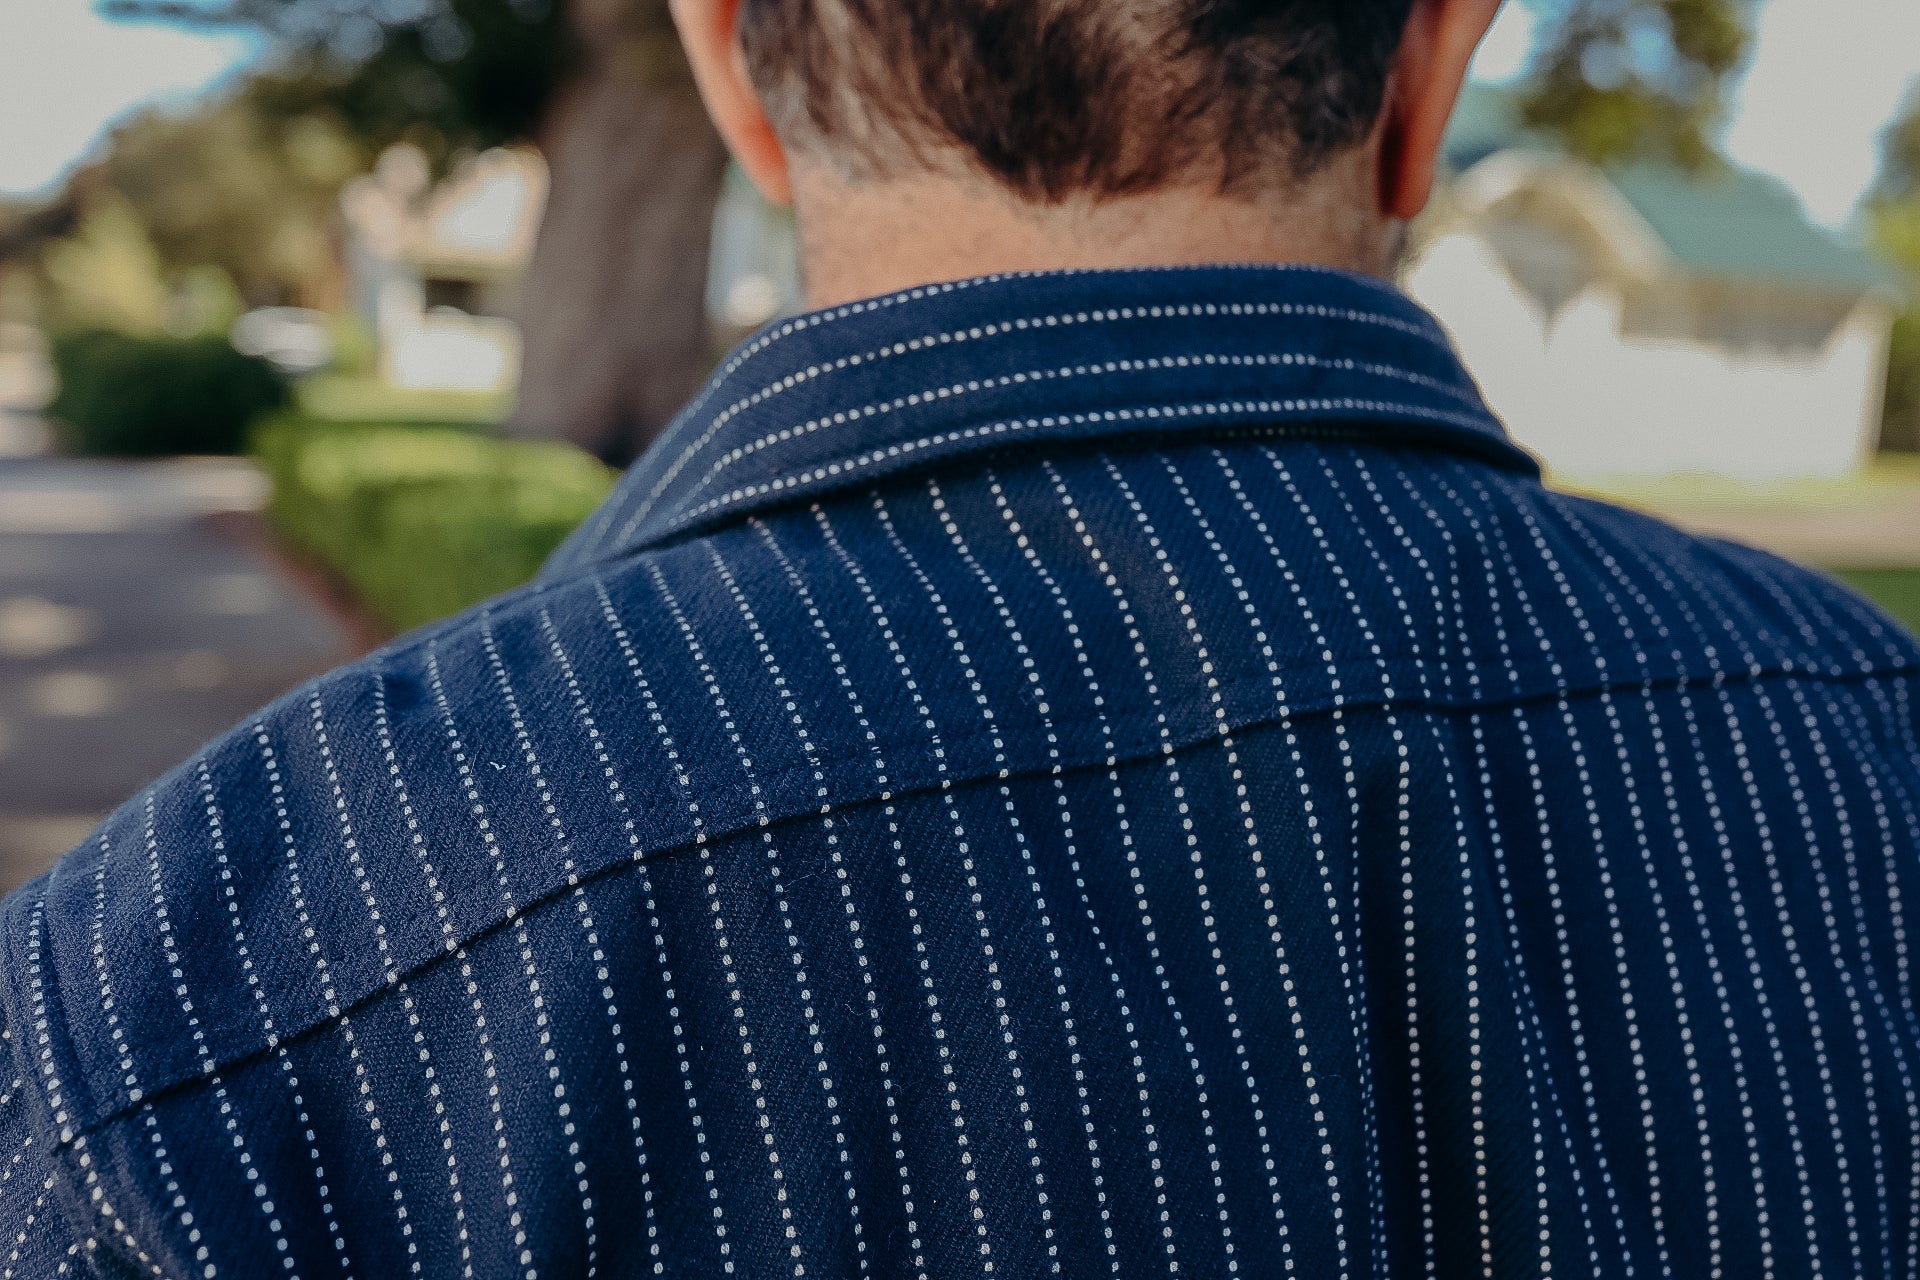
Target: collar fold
point(846, 396)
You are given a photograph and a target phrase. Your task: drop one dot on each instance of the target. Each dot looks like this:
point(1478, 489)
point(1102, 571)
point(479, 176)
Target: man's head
point(1058, 98)
point(994, 134)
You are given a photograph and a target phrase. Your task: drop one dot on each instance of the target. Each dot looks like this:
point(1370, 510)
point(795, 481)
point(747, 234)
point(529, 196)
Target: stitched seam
point(810, 811)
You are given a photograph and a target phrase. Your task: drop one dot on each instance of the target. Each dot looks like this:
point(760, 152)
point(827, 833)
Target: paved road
point(134, 625)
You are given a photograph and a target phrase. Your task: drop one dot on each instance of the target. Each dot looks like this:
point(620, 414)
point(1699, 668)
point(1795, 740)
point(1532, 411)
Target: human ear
point(709, 30)
point(1427, 77)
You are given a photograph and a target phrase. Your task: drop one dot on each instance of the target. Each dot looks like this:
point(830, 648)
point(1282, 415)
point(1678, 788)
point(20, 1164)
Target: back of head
point(1061, 98)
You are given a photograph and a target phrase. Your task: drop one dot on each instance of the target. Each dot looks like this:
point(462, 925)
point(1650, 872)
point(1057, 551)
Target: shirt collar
point(845, 396)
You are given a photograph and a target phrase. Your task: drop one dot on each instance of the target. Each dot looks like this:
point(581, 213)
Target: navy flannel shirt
point(1083, 774)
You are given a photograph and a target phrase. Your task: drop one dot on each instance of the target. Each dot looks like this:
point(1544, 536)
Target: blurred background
point(321, 319)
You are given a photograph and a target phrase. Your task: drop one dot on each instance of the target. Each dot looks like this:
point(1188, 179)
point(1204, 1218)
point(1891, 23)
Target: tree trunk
point(613, 307)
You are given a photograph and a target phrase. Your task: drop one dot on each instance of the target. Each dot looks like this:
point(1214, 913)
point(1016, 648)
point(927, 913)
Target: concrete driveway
point(137, 620)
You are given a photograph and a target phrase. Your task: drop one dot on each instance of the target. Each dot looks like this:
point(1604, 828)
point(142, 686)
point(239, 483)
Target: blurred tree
point(1894, 202)
point(247, 184)
point(1626, 79)
point(1893, 211)
point(105, 275)
point(613, 306)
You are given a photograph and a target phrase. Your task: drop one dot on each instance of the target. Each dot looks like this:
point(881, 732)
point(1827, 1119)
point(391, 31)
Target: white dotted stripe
point(1602, 856)
point(483, 825)
point(980, 1223)
point(849, 904)
point(263, 1200)
point(129, 1080)
point(1153, 1165)
point(683, 784)
point(1256, 854)
point(823, 1070)
point(1878, 784)
point(1062, 995)
point(217, 843)
point(1476, 1063)
point(363, 1082)
point(1403, 785)
point(1544, 812)
point(1527, 1004)
point(423, 859)
point(963, 841)
point(1130, 851)
point(1766, 828)
point(543, 1024)
point(1352, 968)
point(1844, 972)
point(1666, 769)
point(1735, 892)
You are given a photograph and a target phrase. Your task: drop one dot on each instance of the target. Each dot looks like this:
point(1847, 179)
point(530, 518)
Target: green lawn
point(1895, 590)
point(334, 397)
point(1891, 477)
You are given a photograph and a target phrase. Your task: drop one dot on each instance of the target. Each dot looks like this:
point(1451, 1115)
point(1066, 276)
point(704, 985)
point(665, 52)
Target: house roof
point(1729, 222)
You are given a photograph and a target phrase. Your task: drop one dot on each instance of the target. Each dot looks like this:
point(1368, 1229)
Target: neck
point(862, 239)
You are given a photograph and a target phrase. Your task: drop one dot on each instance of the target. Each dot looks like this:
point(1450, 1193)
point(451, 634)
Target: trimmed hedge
point(423, 521)
point(142, 397)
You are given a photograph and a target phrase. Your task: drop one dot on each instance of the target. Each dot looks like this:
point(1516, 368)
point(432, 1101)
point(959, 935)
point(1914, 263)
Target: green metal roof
point(1729, 222)
point(1743, 224)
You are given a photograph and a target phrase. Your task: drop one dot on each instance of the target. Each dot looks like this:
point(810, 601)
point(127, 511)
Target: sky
point(1827, 76)
point(66, 74)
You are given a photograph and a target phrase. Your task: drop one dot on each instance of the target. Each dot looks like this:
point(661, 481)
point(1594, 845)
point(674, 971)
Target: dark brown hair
point(1059, 97)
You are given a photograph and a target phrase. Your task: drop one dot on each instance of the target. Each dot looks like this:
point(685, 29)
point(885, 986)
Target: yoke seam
point(1183, 742)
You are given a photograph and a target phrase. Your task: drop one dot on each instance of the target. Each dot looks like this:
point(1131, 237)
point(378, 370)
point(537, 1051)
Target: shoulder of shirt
point(396, 810)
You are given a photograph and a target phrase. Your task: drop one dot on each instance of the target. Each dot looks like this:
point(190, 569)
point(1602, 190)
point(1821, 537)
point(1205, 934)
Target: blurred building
point(1642, 320)
point(435, 270)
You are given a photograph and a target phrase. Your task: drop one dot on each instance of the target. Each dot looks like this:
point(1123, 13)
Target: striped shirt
point(1106, 774)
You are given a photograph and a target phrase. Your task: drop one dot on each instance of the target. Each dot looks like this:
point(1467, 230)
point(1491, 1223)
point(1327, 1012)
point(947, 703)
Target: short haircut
point(1055, 98)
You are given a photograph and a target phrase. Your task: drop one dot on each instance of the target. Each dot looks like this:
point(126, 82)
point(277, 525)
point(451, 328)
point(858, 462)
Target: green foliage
point(423, 521)
point(248, 183)
point(356, 352)
point(1895, 590)
point(1893, 212)
point(1900, 168)
point(341, 396)
point(447, 74)
point(1624, 79)
point(1901, 429)
point(134, 396)
point(106, 275)
point(204, 301)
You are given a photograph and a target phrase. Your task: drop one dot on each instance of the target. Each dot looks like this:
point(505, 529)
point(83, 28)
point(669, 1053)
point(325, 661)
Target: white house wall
point(1591, 403)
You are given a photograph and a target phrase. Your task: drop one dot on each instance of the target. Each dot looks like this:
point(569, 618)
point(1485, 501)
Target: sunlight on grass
point(1890, 477)
point(1895, 590)
point(345, 398)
